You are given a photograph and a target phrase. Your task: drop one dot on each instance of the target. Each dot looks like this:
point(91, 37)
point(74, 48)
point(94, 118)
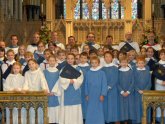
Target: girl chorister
point(35, 81)
point(6, 67)
point(14, 82)
point(52, 76)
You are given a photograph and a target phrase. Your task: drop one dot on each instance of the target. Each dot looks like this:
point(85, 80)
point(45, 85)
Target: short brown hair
point(95, 58)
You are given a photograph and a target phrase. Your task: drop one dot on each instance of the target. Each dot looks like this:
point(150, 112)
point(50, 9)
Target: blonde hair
point(16, 64)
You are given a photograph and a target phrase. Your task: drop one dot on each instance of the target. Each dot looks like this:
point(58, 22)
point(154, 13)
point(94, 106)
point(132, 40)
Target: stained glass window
point(115, 9)
point(85, 12)
point(104, 11)
point(95, 10)
point(134, 9)
point(77, 10)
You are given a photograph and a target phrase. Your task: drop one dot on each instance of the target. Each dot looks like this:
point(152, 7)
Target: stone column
point(127, 15)
point(20, 10)
point(50, 13)
point(16, 10)
point(70, 5)
point(147, 9)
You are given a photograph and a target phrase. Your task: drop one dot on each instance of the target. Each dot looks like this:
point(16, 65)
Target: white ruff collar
point(124, 69)
point(95, 69)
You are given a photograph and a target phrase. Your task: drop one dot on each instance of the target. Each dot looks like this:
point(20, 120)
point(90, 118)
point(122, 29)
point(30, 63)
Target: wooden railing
point(153, 100)
point(26, 100)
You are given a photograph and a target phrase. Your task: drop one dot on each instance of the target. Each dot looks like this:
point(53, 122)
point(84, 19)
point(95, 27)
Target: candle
point(153, 7)
point(42, 8)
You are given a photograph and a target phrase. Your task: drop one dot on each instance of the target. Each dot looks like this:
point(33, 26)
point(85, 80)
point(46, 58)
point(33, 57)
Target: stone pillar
point(147, 8)
point(16, 10)
point(70, 5)
point(10, 7)
point(127, 15)
point(50, 13)
point(20, 10)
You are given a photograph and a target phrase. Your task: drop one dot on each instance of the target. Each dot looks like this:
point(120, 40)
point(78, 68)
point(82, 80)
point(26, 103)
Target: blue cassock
point(132, 63)
point(95, 86)
point(142, 82)
point(39, 58)
point(111, 101)
point(84, 102)
point(22, 60)
point(52, 78)
point(72, 96)
point(127, 106)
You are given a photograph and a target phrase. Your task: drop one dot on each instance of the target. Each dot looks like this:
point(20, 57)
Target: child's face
point(2, 54)
point(150, 53)
point(70, 59)
point(32, 65)
point(162, 56)
point(51, 47)
point(143, 51)
point(22, 50)
point(52, 62)
point(121, 55)
point(68, 47)
point(92, 55)
point(86, 49)
point(95, 63)
point(77, 59)
point(46, 55)
point(100, 52)
point(83, 59)
point(124, 63)
point(108, 58)
point(41, 47)
point(74, 51)
point(131, 56)
point(16, 69)
point(62, 56)
point(140, 64)
point(27, 58)
point(115, 53)
point(10, 56)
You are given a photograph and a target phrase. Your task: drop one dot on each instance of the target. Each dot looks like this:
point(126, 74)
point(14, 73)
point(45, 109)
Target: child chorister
point(159, 73)
point(84, 67)
point(111, 101)
point(35, 81)
point(14, 82)
point(95, 91)
point(71, 79)
point(25, 67)
point(126, 90)
point(142, 79)
point(52, 76)
point(45, 63)
point(6, 67)
point(39, 53)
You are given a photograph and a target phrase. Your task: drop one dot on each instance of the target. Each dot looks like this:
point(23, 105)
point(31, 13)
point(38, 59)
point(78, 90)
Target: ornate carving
point(153, 99)
point(24, 100)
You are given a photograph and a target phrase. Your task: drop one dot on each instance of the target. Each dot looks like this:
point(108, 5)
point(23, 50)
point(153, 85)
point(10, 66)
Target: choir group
point(87, 83)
